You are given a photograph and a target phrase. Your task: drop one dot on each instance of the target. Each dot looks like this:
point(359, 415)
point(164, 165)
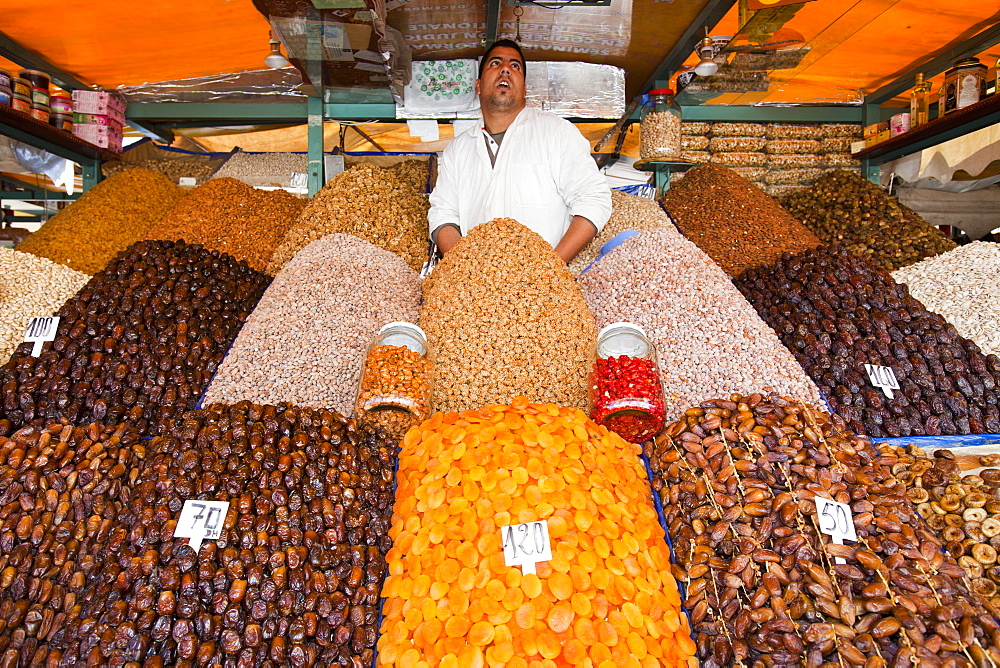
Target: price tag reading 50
point(201, 520)
point(835, 520)
point(526, 544)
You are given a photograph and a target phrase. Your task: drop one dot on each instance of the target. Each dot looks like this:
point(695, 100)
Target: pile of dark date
point(837, 313)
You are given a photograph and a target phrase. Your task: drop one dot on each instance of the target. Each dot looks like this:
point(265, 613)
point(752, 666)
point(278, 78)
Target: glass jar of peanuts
point(626, 394)
point(395, 389)
point(660, 126)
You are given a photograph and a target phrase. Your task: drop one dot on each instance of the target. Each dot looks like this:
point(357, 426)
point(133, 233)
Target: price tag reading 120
point(835, 520)
point(526, 544)
point(200, 521)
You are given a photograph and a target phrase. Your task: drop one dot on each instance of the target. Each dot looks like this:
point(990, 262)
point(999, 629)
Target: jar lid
point(34, 72)
point(405, 335)
point(402, 324)
point(662, 91)
point(621, 325)
point(622, 338)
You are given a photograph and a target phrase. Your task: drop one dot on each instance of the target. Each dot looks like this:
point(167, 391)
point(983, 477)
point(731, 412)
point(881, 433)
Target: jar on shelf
point(920, 102)
point(626, 394)
point(660, 126)
point(964, 85)
point(395, 389)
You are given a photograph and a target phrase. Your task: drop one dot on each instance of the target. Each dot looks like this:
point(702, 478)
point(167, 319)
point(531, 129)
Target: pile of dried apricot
point(605, 599)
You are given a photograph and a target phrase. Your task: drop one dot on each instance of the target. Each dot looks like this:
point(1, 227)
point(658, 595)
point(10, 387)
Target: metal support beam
point(242, 113)
point(972, 47)
point(91, 173)
point(765, 113)
point(492, 21)
point(314, 105)
point(710, 15)
point(315, 140)
point(870, 169)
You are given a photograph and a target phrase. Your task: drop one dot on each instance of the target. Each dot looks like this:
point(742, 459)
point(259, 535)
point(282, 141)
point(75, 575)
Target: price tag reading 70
point(526, 544)
point(200, 521)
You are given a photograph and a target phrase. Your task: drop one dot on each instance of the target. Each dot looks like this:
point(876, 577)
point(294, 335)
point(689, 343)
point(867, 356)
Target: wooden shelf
point(941, 129)
point(21, 126)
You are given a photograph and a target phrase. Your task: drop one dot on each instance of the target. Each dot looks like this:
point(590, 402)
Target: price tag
point(526, 544)
point(299, 180)
point(187, 181)
point(882, 377)
point(201, 521)
point(39, 331)
point(835, 520)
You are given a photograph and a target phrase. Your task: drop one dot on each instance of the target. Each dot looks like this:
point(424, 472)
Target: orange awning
point(110, 43)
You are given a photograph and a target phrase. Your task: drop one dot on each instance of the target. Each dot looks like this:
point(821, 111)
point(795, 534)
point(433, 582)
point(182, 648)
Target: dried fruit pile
point(628, 212)
point(837, 312)
point(843, 208)
point(504, 317)
point(231, 217)
point(964, 511)
point(62, 490)
point(732, 220)
point(139, 343)
point(961, 285)
point(295, 575)
point(306, 340)
point(708, 337)
point(738, 478)
point(605, 598)
point(369, 202)
point(106, 219)
point(30, 286)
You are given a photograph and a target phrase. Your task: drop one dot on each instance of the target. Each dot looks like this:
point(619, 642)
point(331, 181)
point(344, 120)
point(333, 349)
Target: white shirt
point(543, 176)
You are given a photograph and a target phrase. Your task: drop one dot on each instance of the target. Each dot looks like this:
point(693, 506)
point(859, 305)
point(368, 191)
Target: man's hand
point(447, 237)
point(581, 231)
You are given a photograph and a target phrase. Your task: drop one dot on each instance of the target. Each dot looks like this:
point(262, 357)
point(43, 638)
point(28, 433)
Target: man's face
point(501, 87)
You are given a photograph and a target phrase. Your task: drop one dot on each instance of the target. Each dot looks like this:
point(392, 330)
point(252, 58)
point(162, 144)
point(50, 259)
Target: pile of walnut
point(963, 510)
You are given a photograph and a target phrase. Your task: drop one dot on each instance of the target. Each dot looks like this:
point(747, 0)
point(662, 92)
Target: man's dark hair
point(510, 44)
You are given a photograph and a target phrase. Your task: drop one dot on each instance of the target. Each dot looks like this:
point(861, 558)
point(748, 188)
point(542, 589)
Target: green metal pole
point(315, 136)
point(91, 173)
point(870, 170)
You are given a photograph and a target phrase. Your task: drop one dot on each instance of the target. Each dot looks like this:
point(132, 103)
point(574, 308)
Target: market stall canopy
point(825, 51)
point(836, 51)
point(106, 44)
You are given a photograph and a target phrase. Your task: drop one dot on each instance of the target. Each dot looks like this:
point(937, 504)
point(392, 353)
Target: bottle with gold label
point(920, 102)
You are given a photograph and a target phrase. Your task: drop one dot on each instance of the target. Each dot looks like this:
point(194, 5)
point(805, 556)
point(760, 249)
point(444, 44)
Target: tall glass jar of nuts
point(395, 389)
point(626, 394)
point(660, 126)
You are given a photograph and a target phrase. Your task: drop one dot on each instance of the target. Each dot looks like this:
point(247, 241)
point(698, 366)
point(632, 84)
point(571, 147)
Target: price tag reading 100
point(526, 544)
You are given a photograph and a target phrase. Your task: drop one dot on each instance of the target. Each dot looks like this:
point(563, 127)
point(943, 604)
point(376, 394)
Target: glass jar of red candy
point(626, 395)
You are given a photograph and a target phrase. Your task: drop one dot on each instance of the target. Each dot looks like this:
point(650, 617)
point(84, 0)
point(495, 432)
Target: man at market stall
point(520, 163)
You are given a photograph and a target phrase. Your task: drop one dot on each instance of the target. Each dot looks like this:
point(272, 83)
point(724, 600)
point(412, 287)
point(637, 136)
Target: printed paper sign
point(526, 544)
point(39, 331)
point(201, 521)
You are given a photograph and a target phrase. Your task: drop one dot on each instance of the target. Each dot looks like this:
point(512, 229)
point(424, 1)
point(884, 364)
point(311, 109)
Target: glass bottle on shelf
point(626, 394)
point(395, 389)
point(920, 102)
point(660, 126)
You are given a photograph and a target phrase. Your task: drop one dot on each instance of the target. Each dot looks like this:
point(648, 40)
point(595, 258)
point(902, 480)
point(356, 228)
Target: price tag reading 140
point(836, 520)
point(882, 377)
point(526, 544)
point(200, 521)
